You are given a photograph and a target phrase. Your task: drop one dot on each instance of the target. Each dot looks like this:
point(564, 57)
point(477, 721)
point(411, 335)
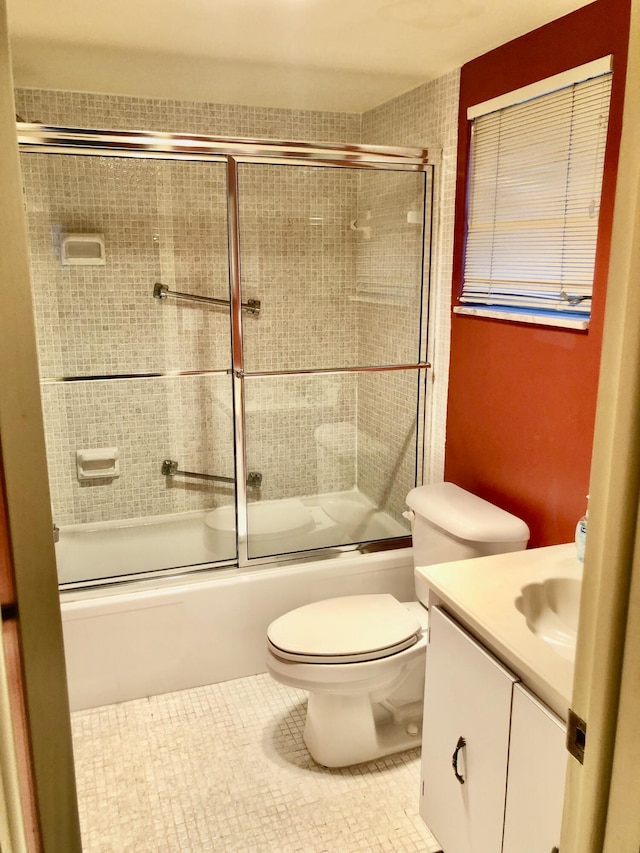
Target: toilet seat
point(344, 630)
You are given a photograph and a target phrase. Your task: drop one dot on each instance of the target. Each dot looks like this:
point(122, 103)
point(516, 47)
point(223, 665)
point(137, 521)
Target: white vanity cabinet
point(493, 757)
point(535, 786)
point(467, 695)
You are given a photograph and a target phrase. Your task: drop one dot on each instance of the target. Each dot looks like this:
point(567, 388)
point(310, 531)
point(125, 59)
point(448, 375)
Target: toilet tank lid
point(464, 515)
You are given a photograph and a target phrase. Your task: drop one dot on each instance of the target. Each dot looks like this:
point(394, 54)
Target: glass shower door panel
point(114, 242)
point(159, 222)
point(144, 519)
point(337, 454)
point(335, 256)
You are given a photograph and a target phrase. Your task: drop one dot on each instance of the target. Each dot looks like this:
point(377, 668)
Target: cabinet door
point(467, 695)
point(537, 767)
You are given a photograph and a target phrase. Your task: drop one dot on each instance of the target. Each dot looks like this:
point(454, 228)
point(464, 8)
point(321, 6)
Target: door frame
point(600, 812)
point(31, 626)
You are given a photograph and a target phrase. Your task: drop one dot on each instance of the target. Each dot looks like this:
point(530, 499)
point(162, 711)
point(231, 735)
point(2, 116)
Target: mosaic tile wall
point(119, 112)
point(314, 274)
point(427, 116)
point(161, 221)
point(149, 420)
point(297, 253)
point(391, 208)
point(283, 416)
point(166, 221)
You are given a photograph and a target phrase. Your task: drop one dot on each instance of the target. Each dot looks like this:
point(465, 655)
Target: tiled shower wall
point(165, 221)
point(427, 116)
point(391, 207)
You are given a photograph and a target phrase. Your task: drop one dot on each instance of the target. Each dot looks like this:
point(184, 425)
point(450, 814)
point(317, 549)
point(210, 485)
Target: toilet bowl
point(362, 658)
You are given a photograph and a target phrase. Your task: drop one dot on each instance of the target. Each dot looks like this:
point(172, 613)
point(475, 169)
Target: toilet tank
point(450, 523)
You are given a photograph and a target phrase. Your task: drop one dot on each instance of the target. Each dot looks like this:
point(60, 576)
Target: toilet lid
point(344, 630)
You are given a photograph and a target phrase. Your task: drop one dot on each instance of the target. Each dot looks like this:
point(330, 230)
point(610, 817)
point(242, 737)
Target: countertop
point(481, 593)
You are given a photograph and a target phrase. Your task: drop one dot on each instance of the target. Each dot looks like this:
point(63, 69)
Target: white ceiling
point(303, 54)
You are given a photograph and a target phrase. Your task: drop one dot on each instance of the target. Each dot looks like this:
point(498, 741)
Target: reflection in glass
point(339, 460)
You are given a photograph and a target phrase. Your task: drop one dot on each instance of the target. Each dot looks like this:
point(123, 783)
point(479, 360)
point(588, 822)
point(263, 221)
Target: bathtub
point(104, 550)
point(160, 634)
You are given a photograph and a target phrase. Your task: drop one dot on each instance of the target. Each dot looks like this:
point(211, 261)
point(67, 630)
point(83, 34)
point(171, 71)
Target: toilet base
point(351, 729)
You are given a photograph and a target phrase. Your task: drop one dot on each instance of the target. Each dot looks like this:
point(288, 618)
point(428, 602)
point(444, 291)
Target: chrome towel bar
point(170, 469)
point(161, 291)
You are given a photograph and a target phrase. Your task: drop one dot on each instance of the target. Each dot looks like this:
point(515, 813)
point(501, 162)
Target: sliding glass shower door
point(136, 382)
point(332, 388)
point(232, 346)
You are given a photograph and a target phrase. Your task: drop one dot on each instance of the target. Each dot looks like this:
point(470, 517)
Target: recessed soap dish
point(82, 249)
point(98, 463)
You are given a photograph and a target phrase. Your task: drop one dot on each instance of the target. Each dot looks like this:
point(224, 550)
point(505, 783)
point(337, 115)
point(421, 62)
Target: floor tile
point(224, 768)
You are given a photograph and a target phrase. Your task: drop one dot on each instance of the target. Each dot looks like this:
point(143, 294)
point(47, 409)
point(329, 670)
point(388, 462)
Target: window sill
point(561, 322)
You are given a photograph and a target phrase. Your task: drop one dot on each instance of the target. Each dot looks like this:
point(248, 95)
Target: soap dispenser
point(581, 534)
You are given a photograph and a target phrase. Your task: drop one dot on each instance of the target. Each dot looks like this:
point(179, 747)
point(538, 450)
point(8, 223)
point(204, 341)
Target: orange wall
point(522, 398)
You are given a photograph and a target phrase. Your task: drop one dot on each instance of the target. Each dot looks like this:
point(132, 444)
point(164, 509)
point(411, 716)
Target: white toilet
point(362, 657)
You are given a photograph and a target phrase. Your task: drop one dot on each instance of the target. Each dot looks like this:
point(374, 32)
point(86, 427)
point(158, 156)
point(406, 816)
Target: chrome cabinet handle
point(454, 760)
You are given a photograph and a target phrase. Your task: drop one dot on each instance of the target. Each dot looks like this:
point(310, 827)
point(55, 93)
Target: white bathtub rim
point(194, 632)
point(353, 561)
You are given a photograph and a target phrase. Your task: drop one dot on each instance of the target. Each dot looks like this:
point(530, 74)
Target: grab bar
point(161, 291)
point(170, 469)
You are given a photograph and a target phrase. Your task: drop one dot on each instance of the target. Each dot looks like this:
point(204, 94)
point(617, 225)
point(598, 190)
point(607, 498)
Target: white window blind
point(534, 201)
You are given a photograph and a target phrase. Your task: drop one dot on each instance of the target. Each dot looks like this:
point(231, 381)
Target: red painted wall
point(522, 398)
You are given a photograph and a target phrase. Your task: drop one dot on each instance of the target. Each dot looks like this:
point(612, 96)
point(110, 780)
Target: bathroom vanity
point(499, 675)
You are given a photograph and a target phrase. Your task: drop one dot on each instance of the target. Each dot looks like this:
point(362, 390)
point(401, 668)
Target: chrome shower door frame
point(235, 151)
point(421, 366)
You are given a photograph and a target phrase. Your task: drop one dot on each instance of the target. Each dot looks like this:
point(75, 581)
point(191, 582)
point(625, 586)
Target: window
point(534, 200)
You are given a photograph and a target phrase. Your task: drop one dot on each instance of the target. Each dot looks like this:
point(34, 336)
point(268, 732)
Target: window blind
point(534, 201)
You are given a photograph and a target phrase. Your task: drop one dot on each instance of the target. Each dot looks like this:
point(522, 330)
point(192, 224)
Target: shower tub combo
point(232, 344)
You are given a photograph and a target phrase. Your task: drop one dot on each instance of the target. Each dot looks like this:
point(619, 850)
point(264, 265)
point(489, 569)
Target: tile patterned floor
point(224, 768)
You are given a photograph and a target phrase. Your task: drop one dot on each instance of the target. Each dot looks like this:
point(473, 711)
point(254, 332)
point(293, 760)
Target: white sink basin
point(551, 610)
point(523, 606)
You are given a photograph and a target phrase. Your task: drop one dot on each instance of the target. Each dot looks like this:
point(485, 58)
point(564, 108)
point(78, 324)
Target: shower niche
point(254, 345)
